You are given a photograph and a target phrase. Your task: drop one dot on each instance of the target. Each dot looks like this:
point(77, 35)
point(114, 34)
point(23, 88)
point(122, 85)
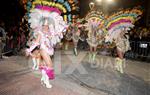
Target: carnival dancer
point(117, 26)
point(93, 38)
point(122, 45)
point(67, 38)
point(2, 39)
point(49, 27)
point(75, 36)
point(94, 21)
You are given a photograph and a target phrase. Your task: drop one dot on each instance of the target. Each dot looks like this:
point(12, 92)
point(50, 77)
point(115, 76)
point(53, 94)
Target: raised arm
point(34, 45)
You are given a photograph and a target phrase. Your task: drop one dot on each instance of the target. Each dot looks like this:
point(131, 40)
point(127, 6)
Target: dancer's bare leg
point(38, 59)
point(120, 54)
point(95, 48)
point(46, 59)
point(47, 72)
point(91, 48)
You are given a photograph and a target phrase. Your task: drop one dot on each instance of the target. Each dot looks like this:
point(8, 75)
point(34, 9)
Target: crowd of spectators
point(140, 43)
point(140, 34)
point(12, 39)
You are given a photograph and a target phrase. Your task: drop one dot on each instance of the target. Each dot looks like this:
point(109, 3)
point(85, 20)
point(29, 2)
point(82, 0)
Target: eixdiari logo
point(75, 63)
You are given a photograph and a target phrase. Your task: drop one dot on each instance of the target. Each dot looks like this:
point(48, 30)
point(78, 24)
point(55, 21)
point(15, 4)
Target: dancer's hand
point(27, 53)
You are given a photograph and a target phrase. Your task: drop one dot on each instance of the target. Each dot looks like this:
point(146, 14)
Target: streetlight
point(99, 0)
point(110, 1)
point(91, 5)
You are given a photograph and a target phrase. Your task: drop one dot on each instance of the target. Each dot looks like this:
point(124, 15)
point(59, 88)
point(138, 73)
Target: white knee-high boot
point(75, 51)
point(34, 63)
point(45, 79)
point(37, 64)
point(94, 56)
point(119, 65)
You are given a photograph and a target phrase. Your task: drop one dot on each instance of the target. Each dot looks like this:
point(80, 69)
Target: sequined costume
point(94, 20)
point(122, 44)
point(75, 34)
point(48, 27)
point(93, 34)
point(117, 25)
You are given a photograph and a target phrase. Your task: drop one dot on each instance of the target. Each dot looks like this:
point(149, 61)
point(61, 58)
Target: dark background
point(84, 5)
point(11, 11)
point(119, 4)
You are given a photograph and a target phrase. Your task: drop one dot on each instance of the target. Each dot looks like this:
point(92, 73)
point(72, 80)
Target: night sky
point(84, 6)
point(119, 4)
point(12, 11)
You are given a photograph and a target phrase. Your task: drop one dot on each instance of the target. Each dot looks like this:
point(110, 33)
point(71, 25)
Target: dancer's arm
point(35, 44)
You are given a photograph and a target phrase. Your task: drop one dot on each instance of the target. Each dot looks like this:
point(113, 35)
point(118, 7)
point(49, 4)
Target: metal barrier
point(140, 50)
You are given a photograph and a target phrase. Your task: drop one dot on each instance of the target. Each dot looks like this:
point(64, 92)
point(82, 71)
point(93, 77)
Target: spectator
point(2, 39)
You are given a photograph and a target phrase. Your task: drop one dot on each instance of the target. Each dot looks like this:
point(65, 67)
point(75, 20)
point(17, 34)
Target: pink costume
point(48, 38)
point(45, 43)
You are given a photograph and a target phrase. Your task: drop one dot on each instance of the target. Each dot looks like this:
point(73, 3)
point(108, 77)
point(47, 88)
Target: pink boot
point(50, 73)
point(45, 79)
